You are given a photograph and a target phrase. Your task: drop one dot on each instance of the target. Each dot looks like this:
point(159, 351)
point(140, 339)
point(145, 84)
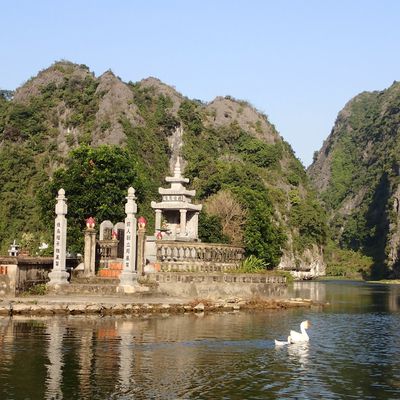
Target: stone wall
point(214, 286)
point(8, 275)
point(187, 285)
point(5, 288)
point(20, 273)
point(31, 272)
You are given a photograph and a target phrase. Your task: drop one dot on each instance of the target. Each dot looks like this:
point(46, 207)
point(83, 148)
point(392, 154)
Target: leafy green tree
point(190, 116)
point(263, 238)
point(95, 181)
point(259, 153)
point(311, 220)
point(19, 178)
point(210, 229)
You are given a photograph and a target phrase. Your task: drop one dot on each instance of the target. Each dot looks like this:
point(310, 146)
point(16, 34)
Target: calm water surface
point(354, 352)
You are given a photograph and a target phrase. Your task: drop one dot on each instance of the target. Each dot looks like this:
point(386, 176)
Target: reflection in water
point(54, 351)
point(354, 352)
point(85, 357)
point(298, 352)
point(309, 290)
point(352, 293)
point(125, 330)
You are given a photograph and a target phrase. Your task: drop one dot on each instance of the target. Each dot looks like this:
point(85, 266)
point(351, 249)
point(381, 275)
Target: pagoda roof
point(177, 178)
point(177, 192)
point(176, 205)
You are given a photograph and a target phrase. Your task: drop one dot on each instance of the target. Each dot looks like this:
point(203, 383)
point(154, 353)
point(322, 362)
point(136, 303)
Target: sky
point(297, 61)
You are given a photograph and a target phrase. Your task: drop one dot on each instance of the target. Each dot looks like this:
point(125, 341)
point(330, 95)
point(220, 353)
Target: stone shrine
point(13, 251)
point(176, 217)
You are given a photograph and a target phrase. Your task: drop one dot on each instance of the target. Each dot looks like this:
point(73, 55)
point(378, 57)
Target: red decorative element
point(90, 222)
point(142, 222)
point(114, 234)
point(159, 235)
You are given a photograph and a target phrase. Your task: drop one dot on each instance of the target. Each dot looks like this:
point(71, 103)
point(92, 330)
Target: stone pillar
point(114, 248)
point(59, 275)
point(89, 260)
point(128, 277)
point(158, 219)
point(140, 250)
point(183, 222)
point(195, 222)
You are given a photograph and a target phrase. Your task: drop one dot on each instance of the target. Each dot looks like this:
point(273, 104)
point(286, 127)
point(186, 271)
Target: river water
point(353, 353)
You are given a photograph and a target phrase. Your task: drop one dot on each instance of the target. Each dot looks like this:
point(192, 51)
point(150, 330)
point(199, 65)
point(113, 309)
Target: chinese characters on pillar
point(57, 245)
point(128, 243)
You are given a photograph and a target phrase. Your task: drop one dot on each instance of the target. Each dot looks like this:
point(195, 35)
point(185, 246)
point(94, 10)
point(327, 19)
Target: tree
point(95, 181)
point(210, 229)
point(230, 213)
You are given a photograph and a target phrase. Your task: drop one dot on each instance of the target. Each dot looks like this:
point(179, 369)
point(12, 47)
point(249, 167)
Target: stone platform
point(137, 304)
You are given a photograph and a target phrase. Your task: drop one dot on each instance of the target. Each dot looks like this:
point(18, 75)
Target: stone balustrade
point(176, 256)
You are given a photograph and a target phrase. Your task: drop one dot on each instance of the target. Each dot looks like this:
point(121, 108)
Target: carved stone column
point(183, 222)
point(128, 278)
point(128, 275)
point(59, 275)
point(89, 260)
point(195, 223)
point(140, 246)
point(158, 220)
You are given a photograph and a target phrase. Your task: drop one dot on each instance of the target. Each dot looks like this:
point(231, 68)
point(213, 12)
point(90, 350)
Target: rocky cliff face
point(227, 145)
point(357, 173)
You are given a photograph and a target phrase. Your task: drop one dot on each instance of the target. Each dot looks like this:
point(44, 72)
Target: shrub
point(253, 264)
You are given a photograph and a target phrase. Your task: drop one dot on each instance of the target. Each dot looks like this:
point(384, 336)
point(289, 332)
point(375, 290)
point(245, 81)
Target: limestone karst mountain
point(357, 173)
point(231, 153)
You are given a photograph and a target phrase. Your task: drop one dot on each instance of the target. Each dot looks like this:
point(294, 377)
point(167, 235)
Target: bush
point(37, 290)
point(347, 263)
point(252, 264)
point(210, 229)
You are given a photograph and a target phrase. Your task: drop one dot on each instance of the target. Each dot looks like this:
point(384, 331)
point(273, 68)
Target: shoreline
point(85, 305)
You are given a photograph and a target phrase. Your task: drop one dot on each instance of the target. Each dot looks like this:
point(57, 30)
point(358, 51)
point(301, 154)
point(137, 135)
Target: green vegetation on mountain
point(357, 172)
point(98, 136)
point(346, 263)
point(227, 158)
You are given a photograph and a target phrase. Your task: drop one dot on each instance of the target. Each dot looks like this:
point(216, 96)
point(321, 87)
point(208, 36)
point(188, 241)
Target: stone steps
point(115, 266)
point(92, 288)
point(109, 273)
point(97, 289)
point(95, 280)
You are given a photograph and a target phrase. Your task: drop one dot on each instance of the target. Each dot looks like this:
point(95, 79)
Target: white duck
point(296, 337)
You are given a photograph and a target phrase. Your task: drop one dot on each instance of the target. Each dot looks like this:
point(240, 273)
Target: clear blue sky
point(297, 61)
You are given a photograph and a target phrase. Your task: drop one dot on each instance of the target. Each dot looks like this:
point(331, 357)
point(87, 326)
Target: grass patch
point(36, 290)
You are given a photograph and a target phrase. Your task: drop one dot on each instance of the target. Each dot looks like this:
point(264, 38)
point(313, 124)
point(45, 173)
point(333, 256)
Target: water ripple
point(354, 353)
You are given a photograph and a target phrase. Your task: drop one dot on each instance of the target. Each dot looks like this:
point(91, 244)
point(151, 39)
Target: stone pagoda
point(176, 217)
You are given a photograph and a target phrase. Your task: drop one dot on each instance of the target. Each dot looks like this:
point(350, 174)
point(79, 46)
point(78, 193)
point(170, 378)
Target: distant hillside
point(231, 153)
point(357, 173)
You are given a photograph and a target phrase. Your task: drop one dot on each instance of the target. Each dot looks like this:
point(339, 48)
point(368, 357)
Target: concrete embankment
point(53, 305)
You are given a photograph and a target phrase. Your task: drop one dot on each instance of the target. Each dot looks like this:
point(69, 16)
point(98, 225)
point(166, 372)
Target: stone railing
point(176, 256)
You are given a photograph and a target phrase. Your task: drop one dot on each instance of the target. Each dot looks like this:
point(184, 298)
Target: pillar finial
point(177, 169)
